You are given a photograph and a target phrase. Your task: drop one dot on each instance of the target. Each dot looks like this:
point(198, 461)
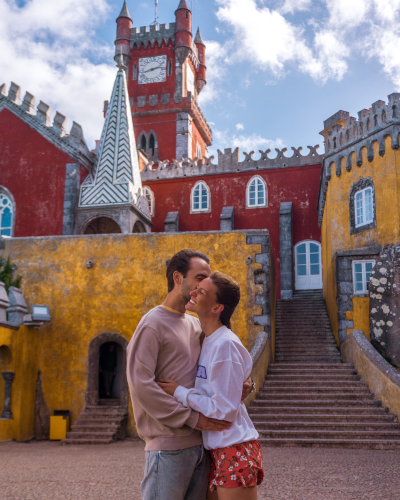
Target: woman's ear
point(217, 309)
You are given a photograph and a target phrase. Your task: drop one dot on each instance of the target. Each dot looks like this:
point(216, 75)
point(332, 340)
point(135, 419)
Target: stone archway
point(138, 227)
point(102, 225)
point(92, 391)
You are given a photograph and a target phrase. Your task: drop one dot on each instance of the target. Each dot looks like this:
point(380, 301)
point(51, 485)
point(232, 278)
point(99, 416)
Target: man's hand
point(247, 386)
point(168, 386)
point(212, 424)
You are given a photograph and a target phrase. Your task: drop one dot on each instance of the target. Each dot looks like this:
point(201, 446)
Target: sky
point(276, 68)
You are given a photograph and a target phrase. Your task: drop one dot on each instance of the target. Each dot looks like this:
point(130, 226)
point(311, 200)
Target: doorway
point(308, 266)
point(110, 371)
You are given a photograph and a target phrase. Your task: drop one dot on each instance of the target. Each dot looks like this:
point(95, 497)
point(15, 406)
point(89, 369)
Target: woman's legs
point(239, 493)
point(212, 495)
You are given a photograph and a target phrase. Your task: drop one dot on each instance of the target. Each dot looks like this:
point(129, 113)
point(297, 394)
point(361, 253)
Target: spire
point(198, 38)
point(124, 12)
point(116, 178)
point(183, 5)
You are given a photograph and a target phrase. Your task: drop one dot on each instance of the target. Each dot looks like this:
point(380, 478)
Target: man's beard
point(185, 292)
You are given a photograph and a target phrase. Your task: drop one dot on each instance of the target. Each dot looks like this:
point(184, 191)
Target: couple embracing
point(181, 385)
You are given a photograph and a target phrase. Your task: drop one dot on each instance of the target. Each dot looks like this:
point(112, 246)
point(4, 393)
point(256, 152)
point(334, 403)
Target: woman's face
point(203, 300)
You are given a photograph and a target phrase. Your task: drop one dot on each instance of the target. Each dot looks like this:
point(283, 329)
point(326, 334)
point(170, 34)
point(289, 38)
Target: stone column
point(227, 219)
point(171, 223)
point(71, 196)
point(8, 377)
point(286, 250)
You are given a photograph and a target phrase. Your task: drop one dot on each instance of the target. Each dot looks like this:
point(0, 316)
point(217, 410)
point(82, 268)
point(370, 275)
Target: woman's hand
point(168, 386)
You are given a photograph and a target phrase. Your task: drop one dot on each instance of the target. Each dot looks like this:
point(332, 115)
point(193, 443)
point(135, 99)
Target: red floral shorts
point(237, 465)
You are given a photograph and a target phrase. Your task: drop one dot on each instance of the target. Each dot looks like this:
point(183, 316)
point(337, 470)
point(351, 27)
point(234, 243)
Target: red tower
point(165, 73)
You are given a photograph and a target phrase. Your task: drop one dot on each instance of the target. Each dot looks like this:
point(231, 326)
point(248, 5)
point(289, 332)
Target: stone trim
point(360, 252)
point(259, 346)
point(286, 250)
point(358, 186)
point(71, 197)
point(171, 223)
point(227, 219)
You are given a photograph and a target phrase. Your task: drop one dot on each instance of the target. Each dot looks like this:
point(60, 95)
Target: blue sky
point(276, 69)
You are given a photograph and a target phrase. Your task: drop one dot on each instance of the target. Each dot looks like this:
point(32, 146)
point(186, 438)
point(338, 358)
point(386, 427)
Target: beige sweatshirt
point(165, 345)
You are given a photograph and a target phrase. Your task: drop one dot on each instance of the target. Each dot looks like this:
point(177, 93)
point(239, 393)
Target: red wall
point(297, 184)
point(164, 127)
point(33, 170)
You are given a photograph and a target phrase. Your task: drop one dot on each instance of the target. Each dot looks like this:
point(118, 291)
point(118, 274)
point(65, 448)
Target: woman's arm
point(225, 382)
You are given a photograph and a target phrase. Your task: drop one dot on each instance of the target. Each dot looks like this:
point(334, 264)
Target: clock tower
point(166, 72)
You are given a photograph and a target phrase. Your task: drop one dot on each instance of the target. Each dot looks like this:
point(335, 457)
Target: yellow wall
point(359, 315)
point(126, 281)
point(336, 219)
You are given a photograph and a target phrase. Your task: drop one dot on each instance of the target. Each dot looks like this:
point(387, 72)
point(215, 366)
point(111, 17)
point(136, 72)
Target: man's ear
point(177, 277)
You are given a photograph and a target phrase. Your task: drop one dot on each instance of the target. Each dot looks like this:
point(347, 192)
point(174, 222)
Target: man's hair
point(181, 262)
point(228, 294)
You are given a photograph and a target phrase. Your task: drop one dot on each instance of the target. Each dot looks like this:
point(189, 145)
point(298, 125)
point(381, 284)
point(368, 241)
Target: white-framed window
point(201, 199)
point(6, 215)
point(256, 193)
point(198, 151)
point(361, 273)
point(364, 207)
point(149, 195)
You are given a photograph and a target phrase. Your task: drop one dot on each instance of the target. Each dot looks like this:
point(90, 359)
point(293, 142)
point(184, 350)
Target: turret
point(183, 34)
point(201, 72)
point(124, 25)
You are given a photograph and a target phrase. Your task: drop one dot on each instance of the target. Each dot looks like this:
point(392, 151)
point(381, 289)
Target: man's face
point(199, 270)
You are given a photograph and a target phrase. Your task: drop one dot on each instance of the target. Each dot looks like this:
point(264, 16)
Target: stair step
point(377, 444)
point(315, 391)
point(309, 403)
point(327, 426)
point(86, 441)
point(279, 418)
point(322, 434)
point(316, 410)
point(91, 435)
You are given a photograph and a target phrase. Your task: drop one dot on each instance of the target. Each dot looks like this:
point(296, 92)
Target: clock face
point(152, 69)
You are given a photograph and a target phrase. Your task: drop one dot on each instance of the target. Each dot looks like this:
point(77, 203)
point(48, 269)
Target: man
point(166, 345)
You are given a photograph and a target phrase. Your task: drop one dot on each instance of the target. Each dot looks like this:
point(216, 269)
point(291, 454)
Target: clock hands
point(152, 69)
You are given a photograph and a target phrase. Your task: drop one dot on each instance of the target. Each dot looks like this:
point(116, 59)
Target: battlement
point(229, 162)
point(74, 142)
point(152, 34)
point(370, 121)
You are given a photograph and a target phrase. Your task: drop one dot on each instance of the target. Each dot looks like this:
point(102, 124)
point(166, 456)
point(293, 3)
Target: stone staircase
point(101, 424)
point(309, 397)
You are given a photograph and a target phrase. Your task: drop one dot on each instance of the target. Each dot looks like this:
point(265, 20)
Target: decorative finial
point(155, 15)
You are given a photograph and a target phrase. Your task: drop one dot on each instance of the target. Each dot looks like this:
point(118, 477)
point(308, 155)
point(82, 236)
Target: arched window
point(198, 151)
point(149, 195)
point(6, 215)
point(152, 144)
point(256, 195)
point(201, 199)
point(143, 143)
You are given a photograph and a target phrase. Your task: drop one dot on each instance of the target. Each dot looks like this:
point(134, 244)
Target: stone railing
point(382, 379)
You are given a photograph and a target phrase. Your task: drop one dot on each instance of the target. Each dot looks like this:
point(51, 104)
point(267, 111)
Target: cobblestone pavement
point(49, 471)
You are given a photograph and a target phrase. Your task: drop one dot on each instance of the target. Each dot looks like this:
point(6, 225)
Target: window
point(143, 143)
point(6, 215)
point(256, 193)
point(169, 67)
point(361, 273)
point(200, 197)
point(149, 195)
point(152, 144)
point(198, 151)
point(134, 71)
point(362, 206)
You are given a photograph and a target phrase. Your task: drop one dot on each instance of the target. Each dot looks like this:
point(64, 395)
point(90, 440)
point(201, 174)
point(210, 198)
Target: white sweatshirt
point(224, 365)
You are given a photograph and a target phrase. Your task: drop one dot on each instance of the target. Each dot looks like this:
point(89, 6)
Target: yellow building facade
point(359, 208)
point(98, 288)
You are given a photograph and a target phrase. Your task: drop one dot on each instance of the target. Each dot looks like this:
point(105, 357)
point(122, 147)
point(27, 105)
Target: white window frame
point(257, 205)
point(146, 189)
point(4, 192)
point(200, 210)
point(363, 193)
point(364, 291)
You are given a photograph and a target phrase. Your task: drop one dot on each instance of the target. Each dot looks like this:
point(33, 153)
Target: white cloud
point(246, 143)
point(290, 6)
point(345, 13)
point(46, 46)
point(239, 126)
point(216, 70)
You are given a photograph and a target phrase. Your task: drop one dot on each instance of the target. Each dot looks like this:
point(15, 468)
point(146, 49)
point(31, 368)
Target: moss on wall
point(127, 280)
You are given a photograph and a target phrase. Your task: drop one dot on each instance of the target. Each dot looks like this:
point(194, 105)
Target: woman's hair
point(228, 294)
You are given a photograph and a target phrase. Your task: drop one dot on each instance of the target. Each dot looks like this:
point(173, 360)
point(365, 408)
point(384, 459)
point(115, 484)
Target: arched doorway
point(110, 371)
point(102, 225)
point(138, 227)
point(308, 265)
point(95, 393)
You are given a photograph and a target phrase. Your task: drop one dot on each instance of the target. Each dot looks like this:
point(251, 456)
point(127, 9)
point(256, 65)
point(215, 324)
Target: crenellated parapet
point(345, 135)
point(72, 144)
point(154, 34)
point(229, 162)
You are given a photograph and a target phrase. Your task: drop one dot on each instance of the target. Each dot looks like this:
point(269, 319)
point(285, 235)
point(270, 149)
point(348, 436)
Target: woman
point(224, 364)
